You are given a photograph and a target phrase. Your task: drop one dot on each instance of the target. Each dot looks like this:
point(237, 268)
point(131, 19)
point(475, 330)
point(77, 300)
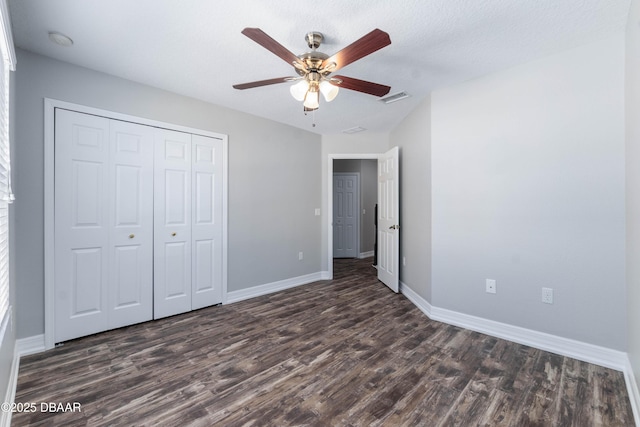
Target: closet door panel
point(131, 245)
point(81, 224)
point(172, 223)
point(207, 221)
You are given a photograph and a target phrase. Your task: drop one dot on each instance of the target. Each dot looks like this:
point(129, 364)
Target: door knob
point(131, 236)
point(174, 234)
point(394, 227)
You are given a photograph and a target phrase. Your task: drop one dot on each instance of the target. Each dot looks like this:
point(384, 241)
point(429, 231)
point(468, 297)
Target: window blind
point(6, 197)
point(5, 189)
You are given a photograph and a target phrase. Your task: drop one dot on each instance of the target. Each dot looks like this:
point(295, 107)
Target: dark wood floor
point(343, 353)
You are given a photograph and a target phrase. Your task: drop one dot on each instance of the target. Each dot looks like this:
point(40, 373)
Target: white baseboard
point(10, 397)
point(632, 390)
point(268, 288)
point(585, 352)
point(30, 345)
point(23, 347)
point(563, 346)
point(5, 419)
point(365, 254)
point(416, 299)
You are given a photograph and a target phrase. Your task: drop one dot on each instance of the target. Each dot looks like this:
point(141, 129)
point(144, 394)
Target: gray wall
point(528, 189)
point(413, 136)
point(274, 177)
point(632, 92)
point(368, 170)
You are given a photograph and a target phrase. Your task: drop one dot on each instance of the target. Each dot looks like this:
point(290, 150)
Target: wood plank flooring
point(348, 352)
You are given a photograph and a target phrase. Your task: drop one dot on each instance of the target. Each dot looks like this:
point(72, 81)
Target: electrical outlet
point(491, 286)
point(404, 260)
point(547, 295)
point(317, 212)
point(300, 256)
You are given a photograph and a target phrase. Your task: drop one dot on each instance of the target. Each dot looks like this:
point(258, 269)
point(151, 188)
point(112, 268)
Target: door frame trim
point(331, 158)
point(49, 214)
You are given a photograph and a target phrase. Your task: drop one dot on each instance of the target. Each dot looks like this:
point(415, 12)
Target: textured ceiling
point(195, 47)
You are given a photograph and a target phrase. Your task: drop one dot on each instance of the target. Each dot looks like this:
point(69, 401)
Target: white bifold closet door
point(103, 224)
point(138, 223)
point(188, 229)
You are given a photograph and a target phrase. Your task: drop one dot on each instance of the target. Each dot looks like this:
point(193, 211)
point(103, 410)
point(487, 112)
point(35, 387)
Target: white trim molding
point(590, 353)
point(416, 299)
point(632, 390)
point(30, 345)
point(10, 397)
point(365, 254)
point(563, 346)
point(585, 352)
point(23, 347)
point(268, 288)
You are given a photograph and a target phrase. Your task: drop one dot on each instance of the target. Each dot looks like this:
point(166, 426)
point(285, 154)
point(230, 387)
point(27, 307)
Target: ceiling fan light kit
point(314, 67)
point(299, 90)
point(329, 91)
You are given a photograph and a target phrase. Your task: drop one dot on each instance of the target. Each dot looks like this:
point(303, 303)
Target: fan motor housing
point(312, 60)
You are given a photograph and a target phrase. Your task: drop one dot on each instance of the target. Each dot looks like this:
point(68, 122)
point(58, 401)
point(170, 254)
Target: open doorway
point(387, 216)
point(365, 165)
point(354, 199)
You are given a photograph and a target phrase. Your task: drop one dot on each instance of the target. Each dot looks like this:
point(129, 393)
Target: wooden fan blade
point(262, 83)
point(375, 40)
point(361, 85)
point(266, 41)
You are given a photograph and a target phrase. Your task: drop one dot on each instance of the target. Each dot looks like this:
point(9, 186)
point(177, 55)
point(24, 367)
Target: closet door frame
point(49, 218)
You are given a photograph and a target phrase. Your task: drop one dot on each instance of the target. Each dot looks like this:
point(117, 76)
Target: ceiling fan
point(314, 68)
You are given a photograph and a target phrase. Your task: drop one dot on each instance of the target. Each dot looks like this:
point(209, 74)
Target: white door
point(388, 219)
point(172, 223)
point(131, 224)
point(81, 224)
point(103, 224)
point(346, 210)
point(206, 229)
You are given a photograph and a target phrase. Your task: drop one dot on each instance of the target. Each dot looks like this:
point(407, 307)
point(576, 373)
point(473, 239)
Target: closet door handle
point(174, 234)
point(131, 236)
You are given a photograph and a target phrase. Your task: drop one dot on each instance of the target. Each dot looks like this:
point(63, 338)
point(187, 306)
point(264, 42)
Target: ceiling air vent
point(354, 130)
point(395, 97)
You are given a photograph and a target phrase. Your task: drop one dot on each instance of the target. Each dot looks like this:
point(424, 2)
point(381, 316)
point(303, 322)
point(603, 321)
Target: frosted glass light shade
point(312, 101)
point(328, 90)
point(299, 90)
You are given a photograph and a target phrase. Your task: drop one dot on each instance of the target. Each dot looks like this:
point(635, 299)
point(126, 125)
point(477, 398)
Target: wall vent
point(395, 97)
